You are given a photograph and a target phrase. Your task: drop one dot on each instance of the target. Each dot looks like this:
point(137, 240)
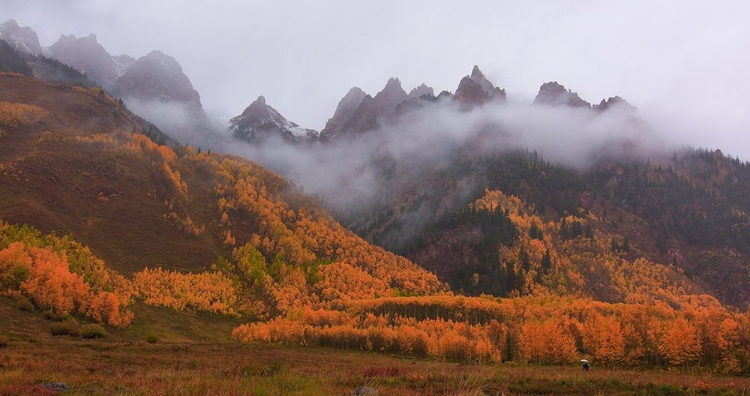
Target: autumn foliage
point(566, 288)
point(47, 278)
point(14, 115)
point(208, 291)
point(542, 330)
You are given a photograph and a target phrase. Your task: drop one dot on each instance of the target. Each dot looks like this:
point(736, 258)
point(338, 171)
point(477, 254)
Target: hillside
point(73, 162)
point(170, 227)
point(686, 212)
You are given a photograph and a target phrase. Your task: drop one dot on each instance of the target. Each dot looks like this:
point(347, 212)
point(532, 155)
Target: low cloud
point(360, 170)
point(184, 123)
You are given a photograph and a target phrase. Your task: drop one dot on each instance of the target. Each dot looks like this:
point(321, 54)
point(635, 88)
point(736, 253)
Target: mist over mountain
point(260, 122)
point(153, 85)
point(23, 39)
point(398, 167)
point(428, 130)
point(545, 208)
point(402, 176)
point(88, 56)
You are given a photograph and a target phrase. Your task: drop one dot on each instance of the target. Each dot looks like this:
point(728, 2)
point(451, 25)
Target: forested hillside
point(74, 162)
point(685, 210)
point(115, 217)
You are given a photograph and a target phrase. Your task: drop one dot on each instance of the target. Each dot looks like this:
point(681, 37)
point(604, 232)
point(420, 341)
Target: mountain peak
point(258, 108)
point(393, 82)
point(476, 89)
point(476, 73)
point(157, 76)
point(260, 121)
point(392, 89)
point(344, 112)
point(87, 55)
point(23, 39)
point(389, 97)
point(11, 23)
point(554, 94)
point(422, 89)
point(614, 102)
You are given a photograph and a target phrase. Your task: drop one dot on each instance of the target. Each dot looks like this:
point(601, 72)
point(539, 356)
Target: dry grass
point(117, 367)
point(194, 356)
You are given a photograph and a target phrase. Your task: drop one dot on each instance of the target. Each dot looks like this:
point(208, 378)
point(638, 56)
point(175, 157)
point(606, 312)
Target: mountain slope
point(72, 162)
point(88, 56)
point(682, 211)
point(24, 39)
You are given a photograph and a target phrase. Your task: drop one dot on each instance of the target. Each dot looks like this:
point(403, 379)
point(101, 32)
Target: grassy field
point(177, 353)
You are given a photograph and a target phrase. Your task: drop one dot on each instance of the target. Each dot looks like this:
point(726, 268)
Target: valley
point(464, 242)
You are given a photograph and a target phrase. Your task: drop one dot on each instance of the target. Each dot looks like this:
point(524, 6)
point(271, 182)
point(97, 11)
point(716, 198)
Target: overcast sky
point(684, 64)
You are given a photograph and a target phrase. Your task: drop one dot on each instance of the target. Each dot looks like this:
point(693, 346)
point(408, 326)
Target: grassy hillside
point(73, 161)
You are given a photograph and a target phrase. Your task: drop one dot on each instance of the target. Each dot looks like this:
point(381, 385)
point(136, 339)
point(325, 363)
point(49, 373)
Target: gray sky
point(684, 64)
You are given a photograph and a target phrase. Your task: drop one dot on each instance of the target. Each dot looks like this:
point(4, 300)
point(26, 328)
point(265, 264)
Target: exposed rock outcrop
point(554, 94)
point(159, 77)
point(260, 122)
point(344, 112)
point(88, 56)
point(475, 89)
point(23, 39)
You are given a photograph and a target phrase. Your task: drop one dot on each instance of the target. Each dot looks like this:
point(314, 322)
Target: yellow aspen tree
point(679, 342)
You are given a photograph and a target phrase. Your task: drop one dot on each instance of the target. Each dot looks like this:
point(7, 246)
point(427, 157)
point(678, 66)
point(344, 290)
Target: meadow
point(167, 352)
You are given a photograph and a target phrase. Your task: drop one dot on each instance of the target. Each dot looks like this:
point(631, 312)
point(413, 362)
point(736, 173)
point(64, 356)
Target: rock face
point(554, 94)
point(123, 63)
point(385, 102)
point(157, 76)
point(416, 103)
point(344, 112)
point(88, 56)
point(369, 112)
point(614, 102)
point(23, 39)
point(260, 122)
point(420, 91)
point(475, 89)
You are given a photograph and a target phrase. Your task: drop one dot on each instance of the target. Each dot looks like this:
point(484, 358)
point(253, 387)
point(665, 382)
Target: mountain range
point(460, 225)
point(654, 200)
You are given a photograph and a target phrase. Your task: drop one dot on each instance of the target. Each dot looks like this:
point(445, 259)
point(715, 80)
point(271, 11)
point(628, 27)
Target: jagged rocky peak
point(344, 112)
point(382, 106)
point(346, 107)
point(614, 102)
point(554, 94)
point(391, 95)
point(421, 90)
point(372, 110)
point(260, 122)
point(258, 108)
point(157, 76)
point(476, 73)
point(23, 39)
point(475, 89)
point(88, 56)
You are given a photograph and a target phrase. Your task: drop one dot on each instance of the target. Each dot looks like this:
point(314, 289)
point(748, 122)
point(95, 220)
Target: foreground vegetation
point(130, 362)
